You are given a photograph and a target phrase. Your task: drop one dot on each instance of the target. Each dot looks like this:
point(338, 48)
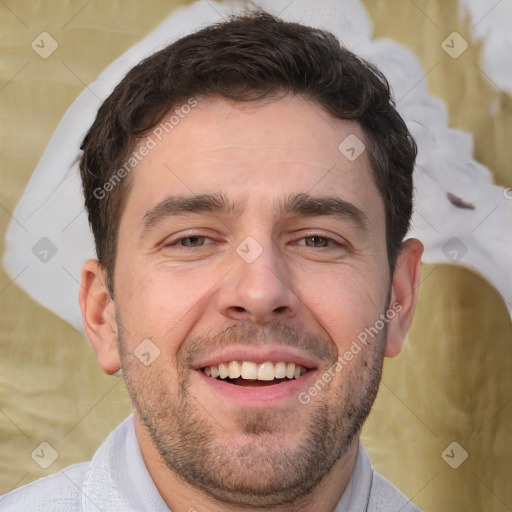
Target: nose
point(259, 291)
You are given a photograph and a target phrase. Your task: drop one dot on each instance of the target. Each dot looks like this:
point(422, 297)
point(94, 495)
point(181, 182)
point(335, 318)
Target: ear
point(99, 316)
point(404, 292)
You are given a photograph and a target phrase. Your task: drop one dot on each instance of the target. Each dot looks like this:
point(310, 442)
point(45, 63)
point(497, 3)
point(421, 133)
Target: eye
point(319, 241)
point(190, 241)
point(193, 241)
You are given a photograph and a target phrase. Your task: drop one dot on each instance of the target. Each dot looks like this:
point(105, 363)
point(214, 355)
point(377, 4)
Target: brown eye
point(192, 241)
point(317, 241)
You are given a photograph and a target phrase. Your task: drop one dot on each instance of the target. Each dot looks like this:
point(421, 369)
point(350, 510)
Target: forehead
point(257, 153)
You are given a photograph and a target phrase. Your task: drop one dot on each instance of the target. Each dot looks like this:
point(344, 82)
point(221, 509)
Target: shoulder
point(385, 497)
point(56, 493)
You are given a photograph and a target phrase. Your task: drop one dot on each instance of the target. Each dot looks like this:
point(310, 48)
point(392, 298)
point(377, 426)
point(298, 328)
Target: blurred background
point(448, 396)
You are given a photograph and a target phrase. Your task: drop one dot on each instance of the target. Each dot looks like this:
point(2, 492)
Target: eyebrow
point(306, 205)
point(182, 205)
point(302, 204)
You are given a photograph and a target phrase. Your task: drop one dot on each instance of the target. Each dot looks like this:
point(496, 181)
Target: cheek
point(162, 303)
point(345, 303)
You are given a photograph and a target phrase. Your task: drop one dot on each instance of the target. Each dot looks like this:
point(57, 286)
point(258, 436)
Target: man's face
point(262, 272)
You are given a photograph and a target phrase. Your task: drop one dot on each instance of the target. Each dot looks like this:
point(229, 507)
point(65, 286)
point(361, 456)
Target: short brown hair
point(247, 58)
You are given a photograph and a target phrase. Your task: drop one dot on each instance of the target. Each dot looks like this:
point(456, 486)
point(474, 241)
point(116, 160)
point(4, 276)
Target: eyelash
point(176, 243)
point(334, 243)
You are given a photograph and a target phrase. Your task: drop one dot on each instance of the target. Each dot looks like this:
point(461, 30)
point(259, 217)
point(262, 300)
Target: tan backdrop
point(452, 383)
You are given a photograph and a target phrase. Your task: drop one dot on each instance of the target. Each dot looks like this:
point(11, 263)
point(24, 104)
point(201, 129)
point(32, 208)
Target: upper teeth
point(253, 371)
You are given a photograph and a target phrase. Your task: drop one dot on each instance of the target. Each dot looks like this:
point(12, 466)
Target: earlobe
point(404, 292)
point(99, 316)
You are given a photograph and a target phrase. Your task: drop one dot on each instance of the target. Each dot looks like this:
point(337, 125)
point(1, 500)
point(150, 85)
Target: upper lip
point(259, 355)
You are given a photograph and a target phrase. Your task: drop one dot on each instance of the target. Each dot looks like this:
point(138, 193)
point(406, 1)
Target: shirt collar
point(118, 478)
point(357, 494)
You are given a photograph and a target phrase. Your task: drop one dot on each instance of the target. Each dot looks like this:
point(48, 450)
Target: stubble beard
point(255, 472)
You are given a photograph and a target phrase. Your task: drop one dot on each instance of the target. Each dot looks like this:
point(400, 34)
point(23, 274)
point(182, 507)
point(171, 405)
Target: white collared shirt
point(116, 480)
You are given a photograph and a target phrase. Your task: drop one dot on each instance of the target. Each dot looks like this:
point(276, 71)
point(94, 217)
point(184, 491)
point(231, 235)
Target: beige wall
point(453, 380)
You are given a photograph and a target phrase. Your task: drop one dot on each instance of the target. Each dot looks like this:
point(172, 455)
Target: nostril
point(280, 309)
point(239, 308)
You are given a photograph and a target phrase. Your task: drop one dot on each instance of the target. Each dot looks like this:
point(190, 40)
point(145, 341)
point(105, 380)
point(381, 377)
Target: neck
point(180, 496)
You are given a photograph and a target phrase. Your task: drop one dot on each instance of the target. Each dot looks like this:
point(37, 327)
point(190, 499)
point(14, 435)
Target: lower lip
point(254, 397)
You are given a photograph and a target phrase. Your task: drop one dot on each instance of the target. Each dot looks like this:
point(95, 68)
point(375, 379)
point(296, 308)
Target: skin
point(193, 300)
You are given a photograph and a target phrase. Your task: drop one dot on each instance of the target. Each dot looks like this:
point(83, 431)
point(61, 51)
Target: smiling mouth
point(251, 374)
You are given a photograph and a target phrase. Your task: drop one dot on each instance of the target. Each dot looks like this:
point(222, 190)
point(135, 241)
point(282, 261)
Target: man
point(249, 188)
